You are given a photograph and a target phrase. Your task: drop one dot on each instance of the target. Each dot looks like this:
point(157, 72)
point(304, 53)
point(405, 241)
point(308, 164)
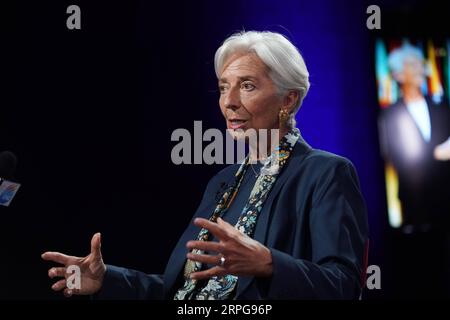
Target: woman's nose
point(232, 99)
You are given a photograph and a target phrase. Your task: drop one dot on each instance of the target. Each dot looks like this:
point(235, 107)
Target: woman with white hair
point(292, 225)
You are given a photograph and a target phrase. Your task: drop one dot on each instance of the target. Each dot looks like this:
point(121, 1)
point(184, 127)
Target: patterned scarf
point(220, 288)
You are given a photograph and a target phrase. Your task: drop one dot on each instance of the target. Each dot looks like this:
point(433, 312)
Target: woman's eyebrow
point(243, 78)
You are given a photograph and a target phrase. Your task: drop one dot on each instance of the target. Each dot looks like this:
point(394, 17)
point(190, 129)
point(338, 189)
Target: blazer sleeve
point(338, 233)
point(127, 284)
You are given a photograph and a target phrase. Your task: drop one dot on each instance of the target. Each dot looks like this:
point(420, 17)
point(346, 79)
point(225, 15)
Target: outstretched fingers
point(59, 285)
point(57, 272)
point(96, 245)
point(56, 257)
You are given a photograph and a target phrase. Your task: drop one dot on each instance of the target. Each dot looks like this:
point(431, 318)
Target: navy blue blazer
point(314, 221)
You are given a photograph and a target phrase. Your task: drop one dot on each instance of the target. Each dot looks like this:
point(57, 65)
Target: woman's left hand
point(236, 253)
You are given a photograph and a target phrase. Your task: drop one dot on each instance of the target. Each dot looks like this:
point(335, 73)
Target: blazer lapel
point(178, 258)
point(266, 213)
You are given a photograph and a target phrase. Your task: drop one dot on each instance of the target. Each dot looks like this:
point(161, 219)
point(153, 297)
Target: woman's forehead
point(244, 63)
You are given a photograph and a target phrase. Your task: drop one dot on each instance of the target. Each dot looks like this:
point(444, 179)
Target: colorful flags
point(434, 80)
point(447, 71)
point(387, 91)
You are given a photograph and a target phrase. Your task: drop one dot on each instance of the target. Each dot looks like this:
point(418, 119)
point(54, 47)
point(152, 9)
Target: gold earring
point(283, 115)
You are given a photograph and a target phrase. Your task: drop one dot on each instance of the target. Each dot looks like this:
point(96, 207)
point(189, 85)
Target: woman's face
point(413, 73)
point(248, 97)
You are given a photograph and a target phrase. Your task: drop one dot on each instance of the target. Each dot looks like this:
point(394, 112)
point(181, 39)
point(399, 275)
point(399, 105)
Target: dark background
point(90, 112)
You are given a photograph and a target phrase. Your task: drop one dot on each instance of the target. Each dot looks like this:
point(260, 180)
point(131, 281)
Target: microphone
point(8, 188)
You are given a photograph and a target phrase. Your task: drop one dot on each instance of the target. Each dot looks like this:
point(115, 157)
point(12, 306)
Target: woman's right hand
point(92, 269)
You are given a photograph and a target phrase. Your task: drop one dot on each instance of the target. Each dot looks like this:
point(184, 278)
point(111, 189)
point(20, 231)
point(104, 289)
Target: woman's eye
point(248, 86)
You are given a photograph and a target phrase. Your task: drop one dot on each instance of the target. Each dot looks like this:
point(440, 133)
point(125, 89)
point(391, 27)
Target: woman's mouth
point(236, 123)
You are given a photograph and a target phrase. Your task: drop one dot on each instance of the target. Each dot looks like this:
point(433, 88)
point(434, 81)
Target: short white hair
point(287, 68)
point(399, 56)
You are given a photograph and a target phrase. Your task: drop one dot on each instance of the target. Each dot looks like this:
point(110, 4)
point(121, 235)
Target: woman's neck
point(411, 93)
point(261, 150)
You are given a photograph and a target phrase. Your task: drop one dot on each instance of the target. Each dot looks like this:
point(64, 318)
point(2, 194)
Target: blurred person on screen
point(415, 138)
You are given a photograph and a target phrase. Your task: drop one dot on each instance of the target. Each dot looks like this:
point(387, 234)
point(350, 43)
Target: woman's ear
point(290, 100)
